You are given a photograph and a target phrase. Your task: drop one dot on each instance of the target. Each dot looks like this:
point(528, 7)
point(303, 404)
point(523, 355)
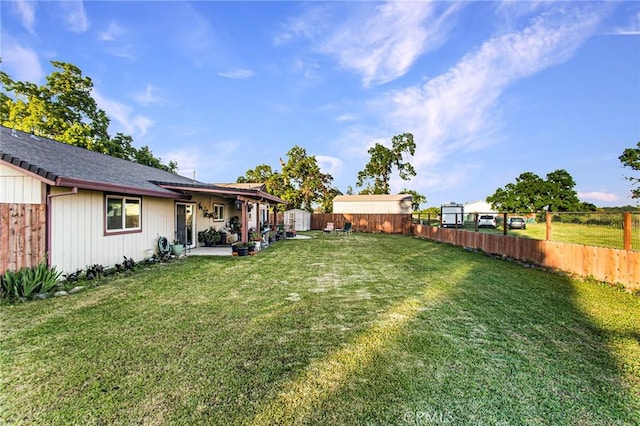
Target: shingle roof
point(60, 162)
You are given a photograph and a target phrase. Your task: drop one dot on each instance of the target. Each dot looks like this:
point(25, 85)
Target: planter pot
point(176, 249)
point(243, 251)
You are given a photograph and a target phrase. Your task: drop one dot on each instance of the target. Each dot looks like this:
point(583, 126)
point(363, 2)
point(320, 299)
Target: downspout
point(73, 191)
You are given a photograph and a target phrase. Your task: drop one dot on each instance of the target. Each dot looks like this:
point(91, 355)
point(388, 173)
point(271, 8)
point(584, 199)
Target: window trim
point(123, 230)
point(216, 209)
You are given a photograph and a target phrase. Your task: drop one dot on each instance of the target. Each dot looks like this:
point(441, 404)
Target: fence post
point(548, 223)
point(504, 223)
point(627, 230)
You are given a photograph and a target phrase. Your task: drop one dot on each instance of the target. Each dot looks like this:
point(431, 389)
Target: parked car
point(487, 221)
point(516, 223)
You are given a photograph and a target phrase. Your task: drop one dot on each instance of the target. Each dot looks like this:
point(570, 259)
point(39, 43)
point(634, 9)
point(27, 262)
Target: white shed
point(297, 219)
point(374, 204)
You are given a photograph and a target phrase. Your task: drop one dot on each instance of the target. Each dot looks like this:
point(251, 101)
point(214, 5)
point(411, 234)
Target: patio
point(209, 251)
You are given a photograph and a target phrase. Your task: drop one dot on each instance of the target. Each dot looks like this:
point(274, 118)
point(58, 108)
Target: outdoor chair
point(329, 228)
point(346, 230)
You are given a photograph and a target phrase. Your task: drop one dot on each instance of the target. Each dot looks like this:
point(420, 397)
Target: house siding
point(378, 207)
point(77, 237)
point(20, 188)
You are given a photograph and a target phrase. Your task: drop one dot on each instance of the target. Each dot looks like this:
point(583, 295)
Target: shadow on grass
point(484, 342)
point(362, 329)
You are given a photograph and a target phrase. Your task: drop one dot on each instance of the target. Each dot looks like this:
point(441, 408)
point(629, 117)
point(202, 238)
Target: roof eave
point(107, 187)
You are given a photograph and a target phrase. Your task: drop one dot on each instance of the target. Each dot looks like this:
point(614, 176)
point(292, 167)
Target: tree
point(382, 162)
point(300, 182)
point(527, 194)
point(561, 196)
point(631, 158)
point(531, 193)
point(417, 198)
point(63, 109)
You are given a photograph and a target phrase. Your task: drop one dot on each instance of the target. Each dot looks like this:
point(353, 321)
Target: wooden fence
point(22, 235)
point(604, 264)
point(388, 223)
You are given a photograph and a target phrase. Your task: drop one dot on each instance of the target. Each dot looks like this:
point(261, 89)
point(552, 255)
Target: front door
point(184, 224)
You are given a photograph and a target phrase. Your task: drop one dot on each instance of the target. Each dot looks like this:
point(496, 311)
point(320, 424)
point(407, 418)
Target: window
point(218, 211)
point(122, 214)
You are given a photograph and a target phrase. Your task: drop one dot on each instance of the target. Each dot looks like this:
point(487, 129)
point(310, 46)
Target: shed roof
point(376, 197)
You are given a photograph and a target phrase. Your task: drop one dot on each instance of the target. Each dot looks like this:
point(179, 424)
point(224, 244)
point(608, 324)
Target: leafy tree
point(382, 162)
point(631, 158)
point(300, 182)
point(63, 109)
point(417, 198)
point(527, 194)
point(561, 196)
point(326, 205)
point(531, 193)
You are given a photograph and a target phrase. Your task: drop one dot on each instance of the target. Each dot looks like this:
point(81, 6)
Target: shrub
point(27, 282)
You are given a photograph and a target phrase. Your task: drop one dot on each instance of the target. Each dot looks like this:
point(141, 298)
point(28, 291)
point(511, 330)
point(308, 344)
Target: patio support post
point(245, 223)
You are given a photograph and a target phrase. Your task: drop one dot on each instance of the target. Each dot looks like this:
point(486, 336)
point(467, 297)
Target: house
point(376, 204)
point(471, 208)
point(297, 220)
point(82, 207)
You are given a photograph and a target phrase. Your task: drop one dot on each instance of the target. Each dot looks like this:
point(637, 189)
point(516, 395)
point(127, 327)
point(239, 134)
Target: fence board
point(602, 263)
point(22, 235)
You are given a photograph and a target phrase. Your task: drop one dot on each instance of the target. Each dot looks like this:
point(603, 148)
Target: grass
point(590, 235)
point(360, 329)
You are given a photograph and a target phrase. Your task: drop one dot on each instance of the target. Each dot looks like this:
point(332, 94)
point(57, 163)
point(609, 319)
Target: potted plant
point(243, 248)
point(209, 237)
point(253, 247)
point(176, 248)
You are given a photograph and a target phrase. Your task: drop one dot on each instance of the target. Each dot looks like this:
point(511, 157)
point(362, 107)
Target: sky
point(489, 90)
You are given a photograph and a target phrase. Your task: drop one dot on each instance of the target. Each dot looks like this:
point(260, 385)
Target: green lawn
point(360, 329)
point(590, 235)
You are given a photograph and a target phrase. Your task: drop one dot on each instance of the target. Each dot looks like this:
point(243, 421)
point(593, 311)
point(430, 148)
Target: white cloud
point(20, 62)
point(384, 42)
point(149, 96)
point(605, 197)
point(27, 13)
point(122, 114)
point(73, 14)
point(457, 110)
point(112, 33)
point(330, 165)
point(195, 159)
point(237, 73)
point(347, 117)
point(632, 28)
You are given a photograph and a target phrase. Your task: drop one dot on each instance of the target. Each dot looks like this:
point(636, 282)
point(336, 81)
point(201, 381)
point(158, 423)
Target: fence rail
point(602, 263)
point(22, 235)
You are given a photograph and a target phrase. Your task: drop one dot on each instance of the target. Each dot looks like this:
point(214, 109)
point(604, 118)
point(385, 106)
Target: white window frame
point(218, 210)
point(123, 199)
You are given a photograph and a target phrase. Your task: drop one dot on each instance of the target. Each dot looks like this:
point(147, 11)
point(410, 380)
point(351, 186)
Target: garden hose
point(163, 245)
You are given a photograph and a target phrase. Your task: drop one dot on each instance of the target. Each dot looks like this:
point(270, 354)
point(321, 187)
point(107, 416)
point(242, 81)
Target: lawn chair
point(346, 230)
point(329, 229)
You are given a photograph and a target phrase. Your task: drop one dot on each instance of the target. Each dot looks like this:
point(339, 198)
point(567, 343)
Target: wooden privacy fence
point(604, 264)
point(389, 223)
point(22, 235)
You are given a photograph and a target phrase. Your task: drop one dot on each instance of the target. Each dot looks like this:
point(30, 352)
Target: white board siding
point(297, 219)
point(77, 231)
point(372, 207)
point(19, 188)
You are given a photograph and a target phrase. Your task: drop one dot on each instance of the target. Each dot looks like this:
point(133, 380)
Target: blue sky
point(489, 89)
